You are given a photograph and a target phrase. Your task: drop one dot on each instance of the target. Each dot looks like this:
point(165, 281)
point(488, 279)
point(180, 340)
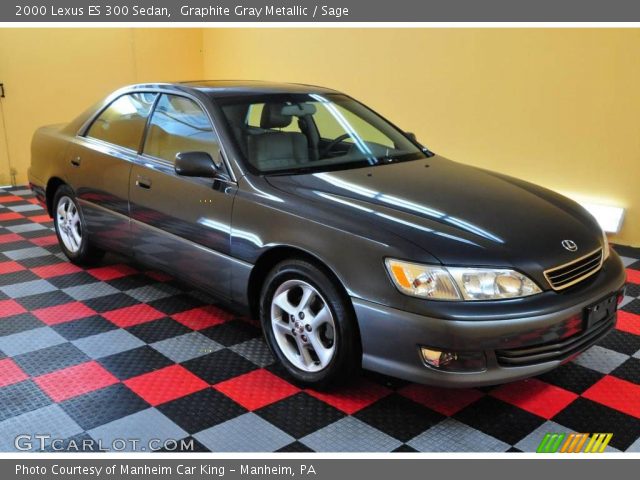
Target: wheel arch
point(50, 192)
point(270, 258)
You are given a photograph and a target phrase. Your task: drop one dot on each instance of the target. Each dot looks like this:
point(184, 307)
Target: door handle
point(75, 162)
point(143, 182)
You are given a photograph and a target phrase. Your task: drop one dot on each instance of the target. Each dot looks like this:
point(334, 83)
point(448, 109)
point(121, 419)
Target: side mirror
point(412, 137)
point(196, 164)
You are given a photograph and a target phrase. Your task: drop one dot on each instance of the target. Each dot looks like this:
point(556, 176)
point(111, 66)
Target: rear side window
point(122, 123)
point(178, 124)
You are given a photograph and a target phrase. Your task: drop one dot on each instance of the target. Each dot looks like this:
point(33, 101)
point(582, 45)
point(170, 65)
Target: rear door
point(182, 224)
point(100, 168)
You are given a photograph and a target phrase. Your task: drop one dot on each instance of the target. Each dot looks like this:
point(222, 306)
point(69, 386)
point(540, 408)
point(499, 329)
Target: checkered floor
point(119, 352)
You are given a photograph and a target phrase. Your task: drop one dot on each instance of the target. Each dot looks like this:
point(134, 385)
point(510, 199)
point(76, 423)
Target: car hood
point(459, 214)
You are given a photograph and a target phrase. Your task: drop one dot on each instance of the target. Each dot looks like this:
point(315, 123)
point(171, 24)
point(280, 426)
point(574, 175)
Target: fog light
point(454, 361)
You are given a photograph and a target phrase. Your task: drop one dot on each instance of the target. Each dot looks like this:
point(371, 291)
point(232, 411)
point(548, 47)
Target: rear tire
point(71, 230)
point(309, 324)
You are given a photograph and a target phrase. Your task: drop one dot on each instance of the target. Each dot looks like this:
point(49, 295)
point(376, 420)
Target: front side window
point(122, 123)
point(178, 124)
point(295, 133)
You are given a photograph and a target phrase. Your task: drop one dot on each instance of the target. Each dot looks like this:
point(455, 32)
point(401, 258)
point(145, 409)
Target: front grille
point(573, 272)
point(518, 357)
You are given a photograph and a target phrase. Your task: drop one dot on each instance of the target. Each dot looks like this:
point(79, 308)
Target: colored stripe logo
point(574, 443)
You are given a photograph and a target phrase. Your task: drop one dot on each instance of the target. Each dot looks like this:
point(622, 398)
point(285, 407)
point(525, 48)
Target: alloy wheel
point(303, 325)
point(68, 224)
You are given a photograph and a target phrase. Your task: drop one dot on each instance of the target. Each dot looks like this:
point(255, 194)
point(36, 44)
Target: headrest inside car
point(272, 116)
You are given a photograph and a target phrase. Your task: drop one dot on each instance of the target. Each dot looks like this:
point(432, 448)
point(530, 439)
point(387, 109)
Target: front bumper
point(391, 338)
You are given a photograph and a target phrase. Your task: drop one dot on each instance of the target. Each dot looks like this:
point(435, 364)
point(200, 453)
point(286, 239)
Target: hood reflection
point(400, 203)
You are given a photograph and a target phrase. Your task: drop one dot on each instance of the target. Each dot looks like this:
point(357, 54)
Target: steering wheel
point(333, 144)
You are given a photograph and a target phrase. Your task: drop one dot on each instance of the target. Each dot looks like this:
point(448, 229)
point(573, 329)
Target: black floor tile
point(103, 406)
point(19, 323)
point(158, 330)
point(499, 419)
point(20, 276)
point(50, 359)
point(44, 300)
point(399, 417)
point(176, 304)
point(295, 447)
point(629, 371)
point(232, 333)
point(622, 342)
point(300, 414)
point(201, 410)
point(72, 280)
point(584, 415)
point(572, 377)
point(21, 398)
point(219, 366)
point(111, 302)
point(137, 361)
point(84, 327)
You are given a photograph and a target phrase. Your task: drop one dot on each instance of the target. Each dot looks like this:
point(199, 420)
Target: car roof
point(222, 88)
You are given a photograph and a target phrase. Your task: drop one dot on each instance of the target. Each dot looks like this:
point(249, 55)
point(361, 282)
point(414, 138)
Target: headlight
point(454, 283)
point(423, 280)
point(606, 250)
point(488, 284)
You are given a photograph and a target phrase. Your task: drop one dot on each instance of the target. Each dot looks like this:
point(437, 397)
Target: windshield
point(300, 133)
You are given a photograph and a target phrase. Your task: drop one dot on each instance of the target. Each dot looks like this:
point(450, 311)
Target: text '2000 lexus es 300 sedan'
point(353, 244)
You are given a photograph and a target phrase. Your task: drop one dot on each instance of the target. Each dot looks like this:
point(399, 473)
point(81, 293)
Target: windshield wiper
point(293, 171)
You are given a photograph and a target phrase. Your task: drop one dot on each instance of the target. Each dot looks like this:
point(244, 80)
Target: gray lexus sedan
point(352, 243)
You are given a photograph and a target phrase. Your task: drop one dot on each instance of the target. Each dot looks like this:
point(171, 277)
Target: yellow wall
point(52, 75)
point(558, 107)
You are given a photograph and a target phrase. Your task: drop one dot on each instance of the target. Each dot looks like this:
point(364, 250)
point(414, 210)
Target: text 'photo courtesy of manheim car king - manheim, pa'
point(352, 243)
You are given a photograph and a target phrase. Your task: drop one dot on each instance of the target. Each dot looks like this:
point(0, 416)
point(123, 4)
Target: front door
point(181, 224)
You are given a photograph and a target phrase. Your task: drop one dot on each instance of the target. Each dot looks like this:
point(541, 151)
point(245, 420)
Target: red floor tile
point(133, 315)
point(112, 272)
point(10, 267)
point(10, 216)
point(73, 381)
point(353, 397)
point(55, 270)
point(256, 389)
point(10, 199)
point(10, 237)
point(44, 241)
point(63, 313)
point(10, 373)
point(41, 218)
point(633, 276)
point(535, 396)
point(166, 384)
point(10, 307)
point(617, 394)
point(446, 401)
point(628, 322)
point(202, 317)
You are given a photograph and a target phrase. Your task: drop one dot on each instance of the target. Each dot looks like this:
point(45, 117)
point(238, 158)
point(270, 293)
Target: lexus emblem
point(570, 245)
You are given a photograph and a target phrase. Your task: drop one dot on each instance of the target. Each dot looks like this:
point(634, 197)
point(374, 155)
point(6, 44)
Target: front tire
point(71, 229)
point(309, 324)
